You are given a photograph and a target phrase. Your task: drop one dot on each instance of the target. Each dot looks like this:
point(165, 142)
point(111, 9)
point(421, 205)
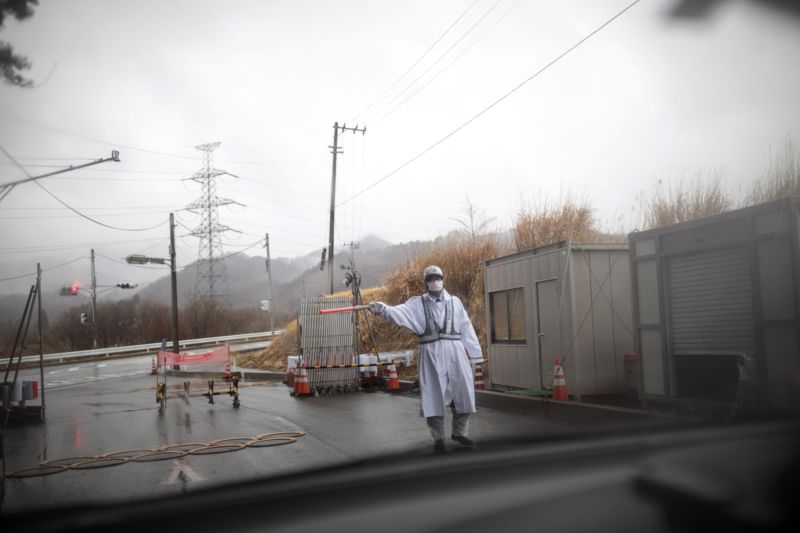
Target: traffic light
point(72, 290)
point(84, 319)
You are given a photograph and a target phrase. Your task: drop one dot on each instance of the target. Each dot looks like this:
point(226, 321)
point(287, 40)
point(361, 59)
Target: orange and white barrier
point(220, 355)
point(479, 385)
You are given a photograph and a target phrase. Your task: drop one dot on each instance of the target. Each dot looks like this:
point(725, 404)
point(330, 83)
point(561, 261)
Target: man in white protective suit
point(447, 345)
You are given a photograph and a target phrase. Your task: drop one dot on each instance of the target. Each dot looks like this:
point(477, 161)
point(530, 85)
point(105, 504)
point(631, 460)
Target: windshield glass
point(250, 239)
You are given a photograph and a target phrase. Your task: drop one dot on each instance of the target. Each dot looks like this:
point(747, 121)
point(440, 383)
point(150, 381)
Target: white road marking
point(181, 471)
point(101, 365)
point(74, 368)
point(55, 371)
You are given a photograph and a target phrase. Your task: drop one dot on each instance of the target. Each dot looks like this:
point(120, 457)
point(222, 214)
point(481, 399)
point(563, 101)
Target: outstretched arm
point(409, 315)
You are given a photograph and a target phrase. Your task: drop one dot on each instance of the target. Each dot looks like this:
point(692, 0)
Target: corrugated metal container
point(560, 301)
point(716, 306)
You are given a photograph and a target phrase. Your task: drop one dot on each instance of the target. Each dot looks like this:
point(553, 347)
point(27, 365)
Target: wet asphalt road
point(101, 407)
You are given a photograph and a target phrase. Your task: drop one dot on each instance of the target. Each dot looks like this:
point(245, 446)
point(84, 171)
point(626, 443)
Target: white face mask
point(435, 285)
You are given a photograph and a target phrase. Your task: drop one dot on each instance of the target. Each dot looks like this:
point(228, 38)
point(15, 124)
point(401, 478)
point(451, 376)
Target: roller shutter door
point(711, 303)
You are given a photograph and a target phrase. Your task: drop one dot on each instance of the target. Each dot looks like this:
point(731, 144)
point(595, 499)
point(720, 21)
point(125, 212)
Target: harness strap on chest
point(432, 331)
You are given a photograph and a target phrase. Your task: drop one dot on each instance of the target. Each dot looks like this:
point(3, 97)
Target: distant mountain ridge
point(291, 277)
point(247, 282)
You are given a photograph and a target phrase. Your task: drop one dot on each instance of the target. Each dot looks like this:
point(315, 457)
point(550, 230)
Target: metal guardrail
point(144, 348)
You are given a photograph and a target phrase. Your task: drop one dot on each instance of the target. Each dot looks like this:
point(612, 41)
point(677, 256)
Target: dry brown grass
point(462, 261)
point(274, 357)
point(567, 219)
point(781, 179)
point(702, 196)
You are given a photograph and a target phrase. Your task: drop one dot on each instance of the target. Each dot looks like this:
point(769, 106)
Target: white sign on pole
point(265, 305)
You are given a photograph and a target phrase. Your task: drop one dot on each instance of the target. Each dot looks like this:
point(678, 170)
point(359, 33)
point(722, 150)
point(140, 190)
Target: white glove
point(376, 308)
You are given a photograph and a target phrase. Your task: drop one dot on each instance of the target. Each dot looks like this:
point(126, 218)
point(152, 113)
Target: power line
point(87, 208)
point(313, 208)
point(247, 246)
point(493, 104)
point(114, 156)
point(287, 162)
point(469, 30)
point(43, 217)
point(45, 269)
point(54, 248)
point(90, 219)
point(294, 191)
point(61, 131)
point(53, 158)
point(19, 277)
point(447, 66)
point(420, 58)
point(117, 179)
point(90, 139)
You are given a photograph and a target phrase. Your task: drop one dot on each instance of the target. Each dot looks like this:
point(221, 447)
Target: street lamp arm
point(114, 157)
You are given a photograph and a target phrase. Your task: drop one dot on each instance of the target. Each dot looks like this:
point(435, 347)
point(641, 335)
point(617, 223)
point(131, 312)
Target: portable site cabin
point(716, 307)
point(571, 302)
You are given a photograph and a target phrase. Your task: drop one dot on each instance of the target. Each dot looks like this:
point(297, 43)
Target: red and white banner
point(220, 355)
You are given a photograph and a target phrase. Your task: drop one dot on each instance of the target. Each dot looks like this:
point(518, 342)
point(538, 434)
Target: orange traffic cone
point(559, 382)
point(479, 376)
point(153, 370)
point(289, 376)
point(301, 385)
point(393, 384)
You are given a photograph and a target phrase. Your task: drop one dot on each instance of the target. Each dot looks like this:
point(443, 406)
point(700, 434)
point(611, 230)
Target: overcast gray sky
point(647, 97)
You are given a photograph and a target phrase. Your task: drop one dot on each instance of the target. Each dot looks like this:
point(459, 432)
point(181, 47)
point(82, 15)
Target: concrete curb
point(583, 413)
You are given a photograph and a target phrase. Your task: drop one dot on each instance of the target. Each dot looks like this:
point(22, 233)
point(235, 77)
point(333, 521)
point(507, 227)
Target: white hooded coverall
point(444, 368)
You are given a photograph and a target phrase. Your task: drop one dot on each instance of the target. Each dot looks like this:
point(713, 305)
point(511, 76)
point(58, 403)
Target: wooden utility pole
point(173, 275)
point(335, 150)
point(269, 297)
point(41, 338)
point(94, 305)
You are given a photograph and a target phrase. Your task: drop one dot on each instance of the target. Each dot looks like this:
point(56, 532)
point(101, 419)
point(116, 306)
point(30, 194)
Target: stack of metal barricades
point(327, 345)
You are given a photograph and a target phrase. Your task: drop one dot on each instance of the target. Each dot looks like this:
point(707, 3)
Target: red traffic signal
point(74, 288)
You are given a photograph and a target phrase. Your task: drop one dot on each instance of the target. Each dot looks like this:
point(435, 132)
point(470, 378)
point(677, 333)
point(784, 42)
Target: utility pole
point(335, 150)
point(94, 304)
point(269, 297)
point(353, 246)
point(41, 338)
point(173, 274)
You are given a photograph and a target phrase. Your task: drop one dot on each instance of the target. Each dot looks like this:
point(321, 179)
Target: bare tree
point(473, 220)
